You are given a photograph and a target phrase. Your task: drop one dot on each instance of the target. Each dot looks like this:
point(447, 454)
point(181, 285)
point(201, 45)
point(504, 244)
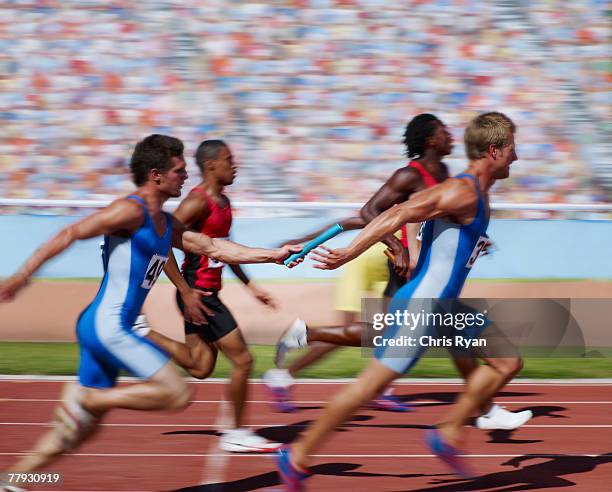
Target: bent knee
point(200, 372)
point(178, 398)
point(518, 365)
point(510, 367)
point(245, 362)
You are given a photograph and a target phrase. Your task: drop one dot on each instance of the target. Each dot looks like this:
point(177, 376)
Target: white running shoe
point(9, 487)
point(244, 440)
point(498, 418)
point(74, 423)
point(278, 378)
point(294, 337)
point(278, 383)
point(141, 326)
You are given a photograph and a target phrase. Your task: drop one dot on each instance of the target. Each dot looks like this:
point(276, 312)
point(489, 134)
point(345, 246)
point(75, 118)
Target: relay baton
point(389, 254)
point(317, 241)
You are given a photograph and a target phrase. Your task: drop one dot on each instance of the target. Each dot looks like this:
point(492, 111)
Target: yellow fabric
point(365, 275)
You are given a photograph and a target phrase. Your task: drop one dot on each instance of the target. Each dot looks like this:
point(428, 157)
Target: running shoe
point(141, 326)
point(498, 418)
point(294, 337)
point(292, 478)
point(244, 440)
point(389, 403)
point(278, 383)
point(9, 487)
point(447, 453)
point(281, 400)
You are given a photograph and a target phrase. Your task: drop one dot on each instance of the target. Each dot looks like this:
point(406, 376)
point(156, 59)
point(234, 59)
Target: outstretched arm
point(227, 251)
point(122, 216)
point(454, 198)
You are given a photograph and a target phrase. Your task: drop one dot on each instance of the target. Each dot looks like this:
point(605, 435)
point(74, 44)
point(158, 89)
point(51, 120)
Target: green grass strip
point(62, 359)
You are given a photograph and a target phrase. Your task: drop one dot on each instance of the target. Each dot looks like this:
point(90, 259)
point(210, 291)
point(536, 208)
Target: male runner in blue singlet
point(456, 216)
point(138, 236)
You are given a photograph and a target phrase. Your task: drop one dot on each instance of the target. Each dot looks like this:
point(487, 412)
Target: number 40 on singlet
point(156, 265)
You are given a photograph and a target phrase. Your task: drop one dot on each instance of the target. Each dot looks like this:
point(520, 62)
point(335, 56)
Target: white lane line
point(215, 464)
point(321, 402)
point(286, 424)
point(272, 455)
point(415, 381)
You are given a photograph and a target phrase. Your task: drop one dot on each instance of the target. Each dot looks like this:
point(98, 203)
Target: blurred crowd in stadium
point(312, 95)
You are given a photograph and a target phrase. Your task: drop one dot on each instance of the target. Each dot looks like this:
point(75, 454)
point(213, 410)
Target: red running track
point(566, 446)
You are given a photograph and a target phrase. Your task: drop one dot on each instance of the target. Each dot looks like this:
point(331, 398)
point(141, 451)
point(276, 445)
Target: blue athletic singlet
point(104, 329)
point(448, 252)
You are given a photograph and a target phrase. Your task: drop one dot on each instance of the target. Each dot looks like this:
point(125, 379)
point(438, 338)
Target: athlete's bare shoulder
point(406, 179)
point(197, 192)
point(122, 217)
point(458, 196)
point(125, 211)
point(194, 208)
point(128, 202)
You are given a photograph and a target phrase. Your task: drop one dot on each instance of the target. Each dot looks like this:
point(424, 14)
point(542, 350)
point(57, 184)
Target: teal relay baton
point(317, 241)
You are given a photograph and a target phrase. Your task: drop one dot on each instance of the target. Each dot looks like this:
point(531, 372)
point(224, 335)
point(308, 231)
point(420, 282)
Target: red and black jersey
point(200, 271)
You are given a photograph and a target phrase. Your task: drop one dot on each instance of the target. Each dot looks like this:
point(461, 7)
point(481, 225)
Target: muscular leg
point(371, 382)
point(347, 336)
point(46, 450)
point(234, 348)
point(196, 356)
point(466, 366)
point(164, 391)
point(484, 382)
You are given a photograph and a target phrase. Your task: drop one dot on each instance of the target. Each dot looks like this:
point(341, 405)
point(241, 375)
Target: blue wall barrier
point(525, 248)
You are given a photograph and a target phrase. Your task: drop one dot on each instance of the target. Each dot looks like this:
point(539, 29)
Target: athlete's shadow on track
point(496, 436)
point(545, 475)
point(546, 411)
point(505, 437)
point(193, 433)
point(272, 479)
point(290, 432)
point(282, 433)
point(440, 398)
point(548, 474)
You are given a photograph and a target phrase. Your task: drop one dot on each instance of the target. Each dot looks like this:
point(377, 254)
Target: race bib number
point(216, 263)
point(480, 244)
point(419, 235)
point(156, 265)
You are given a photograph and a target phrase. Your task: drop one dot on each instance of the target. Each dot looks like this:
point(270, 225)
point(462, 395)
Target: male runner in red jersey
point(207, 210)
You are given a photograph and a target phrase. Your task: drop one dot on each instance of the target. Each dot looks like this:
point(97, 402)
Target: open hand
point(263, 296)
point(195, 311)
point(330, 259)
